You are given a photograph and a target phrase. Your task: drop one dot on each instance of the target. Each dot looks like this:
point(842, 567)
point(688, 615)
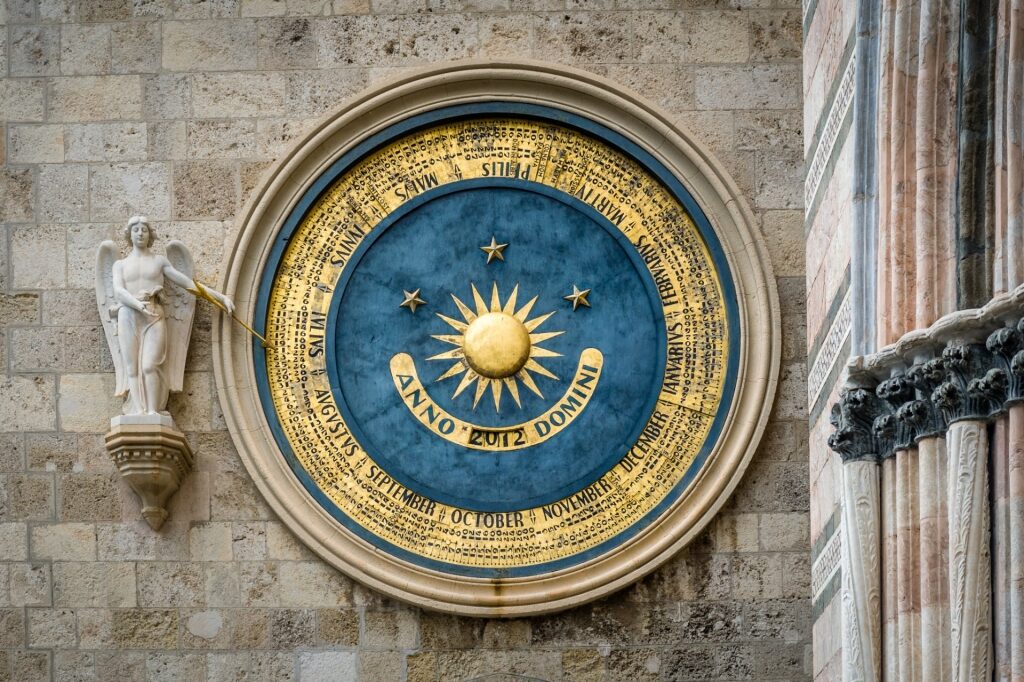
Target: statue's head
point(139, 225)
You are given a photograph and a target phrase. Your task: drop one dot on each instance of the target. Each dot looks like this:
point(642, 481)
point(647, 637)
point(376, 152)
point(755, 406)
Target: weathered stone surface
point(106, 142)
point(217, 95)
point(380, 666)
point(133, 48)
point(28, 497)
point(210, 542)
point(85, 49)
point(759, 87)
point(51, 628)
point(64, 542)
point(582, 665)
point(35, 144)
point(16, 200)
point(389, 629)
point(209, 45)
point(27, 403)
point(221, 139)
point(421, 667)
point(120, 190)
point(12, 624)
point(14, 541)
point(96, 98)
point(63, 193)
point(87, 402)
point(166, 96)
point(94, 584)
point(145, 628)
point(35, 51)
point(30, 584)
point(36, 256)
point(136, 541)
point(90, 497)
point(205, 190)
point(694, 37)
point(326, 664)
point(171, 584)
point(338, 627)
point(39, 349)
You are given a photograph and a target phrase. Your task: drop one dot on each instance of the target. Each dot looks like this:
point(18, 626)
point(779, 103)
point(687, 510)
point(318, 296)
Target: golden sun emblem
point(496, 346)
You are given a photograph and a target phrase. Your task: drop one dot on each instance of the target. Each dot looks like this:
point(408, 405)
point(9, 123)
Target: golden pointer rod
point(202, 293)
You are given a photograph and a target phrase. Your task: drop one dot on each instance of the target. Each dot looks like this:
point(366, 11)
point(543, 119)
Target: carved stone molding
point(154, 459)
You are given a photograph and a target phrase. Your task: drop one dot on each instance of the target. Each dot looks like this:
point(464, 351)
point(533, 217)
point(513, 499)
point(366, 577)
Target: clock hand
point(201, 292)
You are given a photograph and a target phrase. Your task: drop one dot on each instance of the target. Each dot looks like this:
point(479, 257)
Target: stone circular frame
point(578, 94)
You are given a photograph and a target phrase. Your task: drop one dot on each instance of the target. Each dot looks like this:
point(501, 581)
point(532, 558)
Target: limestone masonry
point(174, 109)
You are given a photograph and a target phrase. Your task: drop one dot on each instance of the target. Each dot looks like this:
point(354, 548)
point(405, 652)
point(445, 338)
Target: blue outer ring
point(498, 108)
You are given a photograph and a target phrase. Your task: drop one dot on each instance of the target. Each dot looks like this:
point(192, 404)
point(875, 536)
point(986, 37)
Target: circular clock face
point(502, 340)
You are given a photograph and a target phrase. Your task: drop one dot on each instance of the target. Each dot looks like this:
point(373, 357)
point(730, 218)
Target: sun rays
point(495, 347)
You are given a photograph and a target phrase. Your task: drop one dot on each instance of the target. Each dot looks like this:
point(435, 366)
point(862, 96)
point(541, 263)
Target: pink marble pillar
point(934, 556)
point(908, 567)
point(890, 573)
point(1008, 545)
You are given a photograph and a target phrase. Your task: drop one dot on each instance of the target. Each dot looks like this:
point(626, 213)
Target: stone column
point(862, 425)
point(890, 573)
point(1007, 346)
point(970, 397)
point(902, 532)
point(927, 428)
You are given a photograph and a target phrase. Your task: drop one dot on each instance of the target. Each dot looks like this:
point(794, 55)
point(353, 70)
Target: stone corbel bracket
point(153, 458)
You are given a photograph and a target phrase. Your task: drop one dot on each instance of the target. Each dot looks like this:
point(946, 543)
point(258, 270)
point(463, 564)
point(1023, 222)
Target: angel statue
point(148, 323)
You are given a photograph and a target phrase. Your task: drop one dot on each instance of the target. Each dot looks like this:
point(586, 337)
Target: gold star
point(412, 300)
point(493, 250)
point(578, 297)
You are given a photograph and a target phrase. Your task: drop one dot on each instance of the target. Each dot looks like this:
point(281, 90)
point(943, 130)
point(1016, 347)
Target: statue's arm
point(122, 294)
point(186, 282)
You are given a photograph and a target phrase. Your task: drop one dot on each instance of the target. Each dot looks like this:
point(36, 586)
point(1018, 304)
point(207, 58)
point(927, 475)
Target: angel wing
point(180, 307)
point(108, 306)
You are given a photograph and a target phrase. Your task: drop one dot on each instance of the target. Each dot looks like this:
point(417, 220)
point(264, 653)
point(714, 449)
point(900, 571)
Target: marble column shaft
point(933, 557)
point(862, 589)
point(970, 568)
point(890, 573)
point(908, 568)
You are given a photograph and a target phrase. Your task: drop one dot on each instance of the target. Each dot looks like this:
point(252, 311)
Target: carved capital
point(927, 419)
point(974, 388)
point(1007, 347)
point(860, 432)
point(897, 391)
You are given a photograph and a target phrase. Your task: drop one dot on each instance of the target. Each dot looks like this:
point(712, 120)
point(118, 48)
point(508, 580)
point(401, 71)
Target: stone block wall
point(174, 109)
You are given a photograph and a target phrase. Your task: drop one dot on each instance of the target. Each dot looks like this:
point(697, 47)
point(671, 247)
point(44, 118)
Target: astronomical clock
point(516, 339)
